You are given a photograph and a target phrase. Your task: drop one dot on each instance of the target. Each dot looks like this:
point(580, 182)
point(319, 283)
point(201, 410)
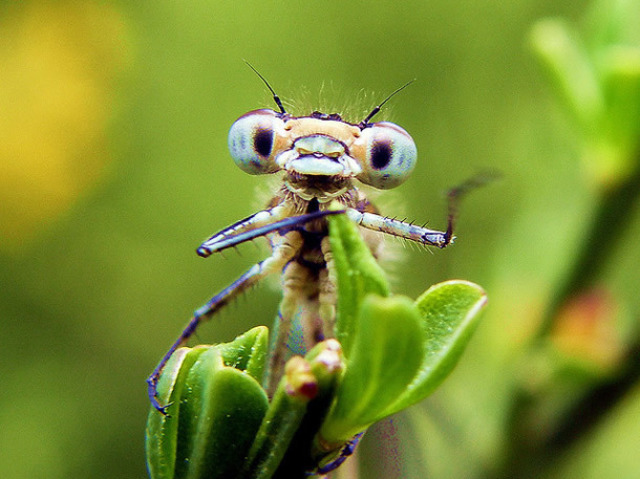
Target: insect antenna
point(363, 124)
point(276, 98)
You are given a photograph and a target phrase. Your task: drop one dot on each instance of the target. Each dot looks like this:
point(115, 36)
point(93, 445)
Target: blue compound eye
point(388, 155)
point(252, 139)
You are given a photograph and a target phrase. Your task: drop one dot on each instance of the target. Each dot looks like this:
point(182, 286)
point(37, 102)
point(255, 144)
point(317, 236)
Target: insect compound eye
point(251, 141)
point(387, 154)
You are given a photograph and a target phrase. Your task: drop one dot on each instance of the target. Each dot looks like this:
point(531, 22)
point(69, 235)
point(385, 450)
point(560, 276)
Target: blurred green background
point(114, 165)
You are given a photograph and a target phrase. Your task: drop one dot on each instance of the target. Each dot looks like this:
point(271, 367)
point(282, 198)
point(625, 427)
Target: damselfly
point(321, 157)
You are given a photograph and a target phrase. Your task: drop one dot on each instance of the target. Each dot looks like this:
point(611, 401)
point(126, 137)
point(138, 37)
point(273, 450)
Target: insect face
point(319, 147)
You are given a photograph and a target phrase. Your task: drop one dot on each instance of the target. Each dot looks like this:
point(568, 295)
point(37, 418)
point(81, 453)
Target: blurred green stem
point(611, 219)
point(524, 456)
point(526, 459)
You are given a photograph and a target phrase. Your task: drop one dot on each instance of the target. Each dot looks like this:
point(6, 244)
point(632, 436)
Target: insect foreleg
point(260, 224)
point(284, 249)
point(225, 238)
point(402, 229)
point(412, 232)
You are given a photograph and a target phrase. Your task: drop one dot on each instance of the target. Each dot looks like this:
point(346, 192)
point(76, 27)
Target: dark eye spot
point(380, 154)
point(263, 141)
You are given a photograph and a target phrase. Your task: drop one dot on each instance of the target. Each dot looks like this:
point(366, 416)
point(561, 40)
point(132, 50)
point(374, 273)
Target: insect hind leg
point(251, 277)
point(283, 252)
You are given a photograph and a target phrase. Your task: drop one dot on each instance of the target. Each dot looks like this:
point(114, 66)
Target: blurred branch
point(596, 77)
point(609, 225)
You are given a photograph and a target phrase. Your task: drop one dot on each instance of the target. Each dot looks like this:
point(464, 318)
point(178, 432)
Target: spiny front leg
point(229, 236)
point(412, 232)
point(401, 229)
point(260, 224)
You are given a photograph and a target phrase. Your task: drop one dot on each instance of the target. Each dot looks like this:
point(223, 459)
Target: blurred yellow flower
point(59, 62)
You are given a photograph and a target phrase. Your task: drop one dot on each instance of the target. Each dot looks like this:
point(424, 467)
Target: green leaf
point(162, 431)
point(450, 313)
point(220, 414)
point(621, 83)
point(248, 352)
point(357, 274)
point(385, 357)
point(561, 51)
point(221, 424)
point(611, 22)
point(208, 402)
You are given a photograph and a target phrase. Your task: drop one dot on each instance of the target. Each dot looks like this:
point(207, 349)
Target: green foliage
point(385, 357)
point(449, 314)
point(220, 423)
point(598, 78)
point(209, 403)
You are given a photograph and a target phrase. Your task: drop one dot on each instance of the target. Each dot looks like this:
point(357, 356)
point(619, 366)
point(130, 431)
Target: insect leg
point(402, 229)
point(283, 251)
point(409, 231)
point(260, 224)
point(328, 295)
point(347, 450)
point(313, 296)
point(298, 285)
point(218, 241)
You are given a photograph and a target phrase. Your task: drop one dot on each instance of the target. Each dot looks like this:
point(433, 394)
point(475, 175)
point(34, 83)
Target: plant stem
point(526, 457)
point(610, 223)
